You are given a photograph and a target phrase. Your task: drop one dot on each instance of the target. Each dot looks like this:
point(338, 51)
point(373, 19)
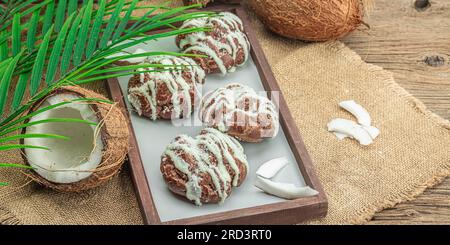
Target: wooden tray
point(286, 212)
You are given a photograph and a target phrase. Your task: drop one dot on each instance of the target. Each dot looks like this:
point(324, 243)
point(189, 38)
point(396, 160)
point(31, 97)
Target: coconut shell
point(114, 134)
point(310, 20)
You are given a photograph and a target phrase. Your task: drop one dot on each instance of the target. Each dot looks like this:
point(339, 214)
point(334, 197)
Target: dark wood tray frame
point(287, 212)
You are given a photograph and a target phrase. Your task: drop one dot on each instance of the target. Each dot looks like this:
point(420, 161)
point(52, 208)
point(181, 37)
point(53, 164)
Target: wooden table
point(411, 38)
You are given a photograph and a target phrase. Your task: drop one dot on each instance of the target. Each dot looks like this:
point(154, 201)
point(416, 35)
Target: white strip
point(358, 111)
point(284, 190)
point(350, 128)
point(271, 168)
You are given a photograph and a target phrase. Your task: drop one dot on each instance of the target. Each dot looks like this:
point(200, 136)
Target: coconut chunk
point(341, 136)
point(373, 132)
point(358, 111)
point(351, 129)
point(284, 190)
point(269, 169)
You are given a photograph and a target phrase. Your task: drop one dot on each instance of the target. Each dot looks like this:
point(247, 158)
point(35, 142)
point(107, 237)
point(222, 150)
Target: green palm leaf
point(6, 80)
point(16, 34)
point(111, 24)
point(72, 7)
point(48, 16)
point(36, 73)
point(21, 146)
point(125, 20)
point(60, 14)
point(83, 34)
point(12, 165)
point(20, 91)
point(92, 44)
point(31, 37)
point(79, 44)
point(27, 136)
point(56, 52)
point(70, 41)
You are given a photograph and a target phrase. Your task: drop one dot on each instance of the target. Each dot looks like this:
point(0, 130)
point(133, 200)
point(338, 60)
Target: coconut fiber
point(411, 154)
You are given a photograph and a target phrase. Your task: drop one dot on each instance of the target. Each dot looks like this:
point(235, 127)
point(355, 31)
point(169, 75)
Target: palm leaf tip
point(13, 165)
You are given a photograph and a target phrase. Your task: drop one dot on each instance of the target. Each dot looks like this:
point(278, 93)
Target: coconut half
point(92, 155)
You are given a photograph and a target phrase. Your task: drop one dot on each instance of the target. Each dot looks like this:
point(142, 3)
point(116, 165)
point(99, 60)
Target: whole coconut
point(310, 20)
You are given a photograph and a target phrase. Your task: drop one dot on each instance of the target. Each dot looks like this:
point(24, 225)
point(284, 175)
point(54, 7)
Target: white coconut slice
point(351, 129)
point(358, 111)
point(93, 153)
point(373, 132)
point(269, 169)
point(284, 190)
point(341, 136)
point(67, 161)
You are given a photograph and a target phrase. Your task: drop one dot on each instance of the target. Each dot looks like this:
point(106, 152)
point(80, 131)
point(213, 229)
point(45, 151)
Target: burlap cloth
point(412, 153)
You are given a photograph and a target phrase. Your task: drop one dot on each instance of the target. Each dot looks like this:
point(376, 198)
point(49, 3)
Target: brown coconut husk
point(310, 20)
point(114, 133)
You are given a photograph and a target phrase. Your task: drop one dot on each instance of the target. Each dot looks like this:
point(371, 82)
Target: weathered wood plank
point(415, 46)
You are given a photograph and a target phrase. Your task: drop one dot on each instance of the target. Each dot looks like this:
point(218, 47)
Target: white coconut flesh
point(67, 161)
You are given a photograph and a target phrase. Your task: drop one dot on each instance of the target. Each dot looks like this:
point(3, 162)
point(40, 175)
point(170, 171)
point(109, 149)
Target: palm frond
point(56, 52)
point(60, 14)
point(48, 16)
point(36, 72)
point(31, 37)
point(75, 43)
point(16, 34)
point(95, 31)
point(5, 81)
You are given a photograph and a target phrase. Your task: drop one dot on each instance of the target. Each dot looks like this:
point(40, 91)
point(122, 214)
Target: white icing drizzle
point(223, 103)
point(225, 150)
point(173, 78)
point(201, 42)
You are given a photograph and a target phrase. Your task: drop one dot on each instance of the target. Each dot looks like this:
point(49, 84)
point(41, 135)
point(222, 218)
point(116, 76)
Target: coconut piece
point(269, 169)
point(341, 136)
point(350, 128)
point(284, 190)
point(358, 111)
point(310, 20)
point(373, 132)
point(93, 154)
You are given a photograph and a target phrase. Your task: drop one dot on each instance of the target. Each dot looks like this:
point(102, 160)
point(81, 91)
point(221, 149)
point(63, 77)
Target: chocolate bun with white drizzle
point(240, 112)
point(204, 169)
point(166, 92)
point(225, 47)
